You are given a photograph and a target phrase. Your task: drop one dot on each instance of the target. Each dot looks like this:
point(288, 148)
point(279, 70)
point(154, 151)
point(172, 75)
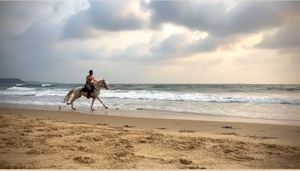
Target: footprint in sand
point(196, 167)
point(161, 128)
point(101, 124)
point(189, 131)
point(185, 161)
point(84, 160)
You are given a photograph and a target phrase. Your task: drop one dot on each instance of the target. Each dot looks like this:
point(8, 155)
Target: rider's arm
point(94, 79)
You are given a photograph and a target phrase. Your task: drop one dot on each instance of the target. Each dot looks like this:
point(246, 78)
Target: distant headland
point(19, 81)
point(11, 80)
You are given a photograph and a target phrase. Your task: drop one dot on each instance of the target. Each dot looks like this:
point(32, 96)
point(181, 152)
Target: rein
point(96, 89)
point(100, 87)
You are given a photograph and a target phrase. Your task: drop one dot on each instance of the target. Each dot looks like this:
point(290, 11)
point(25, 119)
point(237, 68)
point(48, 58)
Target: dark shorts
point(89, 87)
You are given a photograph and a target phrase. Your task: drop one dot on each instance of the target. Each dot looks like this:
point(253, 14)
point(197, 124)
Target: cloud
point(227, 23)
point(104, 15)
point(61, 41)
point(178, 45)
point(182, 45)
point(286, 37)
point(17, 17)
point(172, 44)
point(221, 18)
point(29, 34)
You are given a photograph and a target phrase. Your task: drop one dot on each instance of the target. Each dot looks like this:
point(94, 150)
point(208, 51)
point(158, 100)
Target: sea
point(256, 101)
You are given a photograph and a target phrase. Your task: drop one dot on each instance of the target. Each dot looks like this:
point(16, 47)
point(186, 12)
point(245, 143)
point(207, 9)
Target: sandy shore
point(70, 140)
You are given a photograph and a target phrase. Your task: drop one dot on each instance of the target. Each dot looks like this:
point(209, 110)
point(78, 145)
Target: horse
point(78, 93)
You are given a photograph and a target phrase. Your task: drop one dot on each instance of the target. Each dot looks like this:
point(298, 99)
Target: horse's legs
point(74, 98)
point(102, 102)
point(92, 104)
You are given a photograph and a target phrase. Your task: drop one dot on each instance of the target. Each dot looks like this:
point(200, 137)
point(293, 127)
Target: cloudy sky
point(151, 41)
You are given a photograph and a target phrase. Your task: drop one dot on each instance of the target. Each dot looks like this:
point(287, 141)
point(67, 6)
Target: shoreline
point(152, 114)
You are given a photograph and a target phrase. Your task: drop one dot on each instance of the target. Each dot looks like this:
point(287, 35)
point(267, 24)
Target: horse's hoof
point(92, 109)
point(106, 107)
point(68, 103)
point(74, 108)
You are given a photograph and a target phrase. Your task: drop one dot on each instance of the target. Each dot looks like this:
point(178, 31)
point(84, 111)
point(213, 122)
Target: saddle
point(85, 89)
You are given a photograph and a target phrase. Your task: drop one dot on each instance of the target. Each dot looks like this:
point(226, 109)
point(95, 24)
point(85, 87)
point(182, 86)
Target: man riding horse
point(89, 85)
point(79, 91)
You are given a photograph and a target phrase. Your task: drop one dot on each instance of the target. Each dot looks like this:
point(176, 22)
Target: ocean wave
point(61, 93)
point(159, 86)
point(17, 93)
point(51, 93)
point(15, 88)
point(199, 97)
point(158, 95)
point(292, 89)
point(284, 88)
point(47, 85)
point(60, 89)
point(19, 85)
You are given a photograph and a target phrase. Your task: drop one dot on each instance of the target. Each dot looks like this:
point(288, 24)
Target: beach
point(49, 139)
point(150, 85)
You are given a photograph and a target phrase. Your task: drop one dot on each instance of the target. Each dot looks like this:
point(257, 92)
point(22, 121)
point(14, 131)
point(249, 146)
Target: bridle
point(104, 85)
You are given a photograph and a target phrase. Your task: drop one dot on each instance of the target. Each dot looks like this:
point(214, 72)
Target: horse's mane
point(99, 81)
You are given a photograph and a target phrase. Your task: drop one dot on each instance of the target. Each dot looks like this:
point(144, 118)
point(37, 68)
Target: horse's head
point(103, 83)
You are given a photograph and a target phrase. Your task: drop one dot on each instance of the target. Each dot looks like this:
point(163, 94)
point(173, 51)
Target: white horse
point(78, 93)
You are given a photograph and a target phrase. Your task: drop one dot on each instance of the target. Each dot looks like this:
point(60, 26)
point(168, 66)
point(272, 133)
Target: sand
point(37, 139)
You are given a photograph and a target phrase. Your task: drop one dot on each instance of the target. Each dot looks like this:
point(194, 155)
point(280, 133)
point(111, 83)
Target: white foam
point(51, 93)
point(165, 96)
point(18, 93)
point(200, 97)
point(236, 104)
point(46, 85)
point(14, 88)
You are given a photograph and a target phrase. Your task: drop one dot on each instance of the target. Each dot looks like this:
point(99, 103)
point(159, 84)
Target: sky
point(164, 42)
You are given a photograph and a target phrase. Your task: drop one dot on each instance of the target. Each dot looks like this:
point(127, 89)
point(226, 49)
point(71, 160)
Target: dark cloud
point(28, 36)
point(129, 53)
point(77, 26)
point(245, 18)
point(287, 37)
point(17, 17)
point(178, 45)
point(211, 43)
point(39, 34)
point(104, 15)
point(57, 6)
point(40, 61)
point(174, 46)
point(211, 17)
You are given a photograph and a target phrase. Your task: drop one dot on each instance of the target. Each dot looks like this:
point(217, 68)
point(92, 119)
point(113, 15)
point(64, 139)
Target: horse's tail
point(68, 96)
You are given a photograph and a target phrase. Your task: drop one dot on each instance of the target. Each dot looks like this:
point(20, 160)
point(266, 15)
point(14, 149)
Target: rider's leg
point(92, 88)
point(89, 90)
